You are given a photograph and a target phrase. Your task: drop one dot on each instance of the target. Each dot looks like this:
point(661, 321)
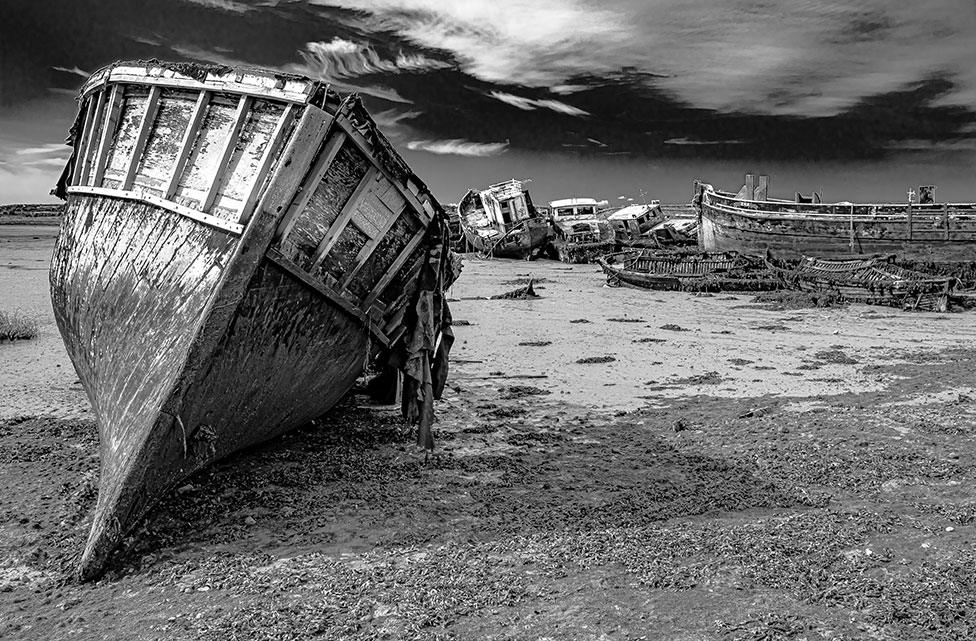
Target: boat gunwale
point(139, 196)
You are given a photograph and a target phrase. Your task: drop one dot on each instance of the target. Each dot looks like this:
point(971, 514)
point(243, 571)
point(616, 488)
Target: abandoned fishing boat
point(749, 221)
point(630, 223)
point(687, 271)
point(237, 243)
point(501, 221)
point(578, 234)
point(876, 281)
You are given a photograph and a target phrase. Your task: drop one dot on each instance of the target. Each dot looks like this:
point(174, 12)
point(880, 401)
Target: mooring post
point(852, 228)
point(909, 220)
point(945, 219)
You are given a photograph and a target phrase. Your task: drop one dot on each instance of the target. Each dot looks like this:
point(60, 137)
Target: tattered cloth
point(422, 355)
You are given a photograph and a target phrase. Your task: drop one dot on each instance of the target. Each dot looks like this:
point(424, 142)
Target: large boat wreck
point(237, 244)
point(749, 221)
point(502, 221)
point(688, 271)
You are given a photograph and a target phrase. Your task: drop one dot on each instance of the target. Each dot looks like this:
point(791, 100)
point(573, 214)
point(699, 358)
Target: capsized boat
point(578, 233)
point(237, 244)
point(501, 221)
point(875, 281)
point(687, 271)
point(630, 223)
point(749, 221)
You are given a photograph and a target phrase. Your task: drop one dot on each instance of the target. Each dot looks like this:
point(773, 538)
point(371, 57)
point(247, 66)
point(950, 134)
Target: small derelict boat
point(630, 223)
point(501, 221)
point(875, 281)
point(237, 244)
point(687, 271)
point(674, 232)
point(750, 221)
point(578, 234)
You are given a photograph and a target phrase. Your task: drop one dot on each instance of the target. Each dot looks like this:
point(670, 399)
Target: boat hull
point(926, 238)
point(534, 236)
point(575, 253)
point(686, 272)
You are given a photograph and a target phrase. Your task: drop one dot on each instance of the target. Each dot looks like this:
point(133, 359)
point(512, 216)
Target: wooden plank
point(148, 117)
point(112, 111)
point(200, 216)
point(81, 150)
point(243, 105)
point(186, 145)
point(266, 159)
point(309, 186)
point(337, 227)
point(945, 219)
point(369, 247)
point(367, 150)
point(96, 117)
point(395, 267)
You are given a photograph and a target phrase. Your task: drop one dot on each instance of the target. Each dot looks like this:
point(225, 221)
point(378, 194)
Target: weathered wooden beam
point(391, 272)
point(352, 204)
point(257, 86)
point(213, 221)
point(111, 117)
point(81, 151)
point(265, 165)
point(240, 116)
point(365, 147)
point(945, 219)
point(332, 146)
point(148, 117)
point(186, 145)
point(369, 247)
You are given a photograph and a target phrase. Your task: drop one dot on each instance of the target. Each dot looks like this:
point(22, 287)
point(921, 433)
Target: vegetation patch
point(17, 326)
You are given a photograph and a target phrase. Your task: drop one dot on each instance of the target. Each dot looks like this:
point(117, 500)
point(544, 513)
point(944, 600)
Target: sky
point(613, 99)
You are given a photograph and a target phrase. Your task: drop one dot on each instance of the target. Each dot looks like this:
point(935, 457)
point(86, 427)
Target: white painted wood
point(200, 216)
point(243, 105)
point(112, 110)
point(254, 191)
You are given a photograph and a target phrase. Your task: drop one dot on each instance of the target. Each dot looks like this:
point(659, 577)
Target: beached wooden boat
point(687, 271)
point(501, 221)
point(578, 234)
point(236, 245)
point(876, 281)
point(751, 222)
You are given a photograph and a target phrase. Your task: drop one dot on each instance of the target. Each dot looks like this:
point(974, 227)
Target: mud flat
point(649, 464)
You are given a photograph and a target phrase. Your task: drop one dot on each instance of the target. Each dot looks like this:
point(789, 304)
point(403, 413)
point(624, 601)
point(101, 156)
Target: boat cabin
point(632, 221)
point(506, 204)
point(575, 208)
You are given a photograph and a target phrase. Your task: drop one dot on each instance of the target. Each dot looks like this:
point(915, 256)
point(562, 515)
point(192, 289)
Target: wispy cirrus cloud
point(458, 147)
point(342, 59)
point(73, 70)
point(529, 104)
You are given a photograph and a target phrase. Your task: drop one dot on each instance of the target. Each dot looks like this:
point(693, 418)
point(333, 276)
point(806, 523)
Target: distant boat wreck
point(749, 221)
point(237, 244)
point(578, 233)
point(688, 271)
point(501, 221)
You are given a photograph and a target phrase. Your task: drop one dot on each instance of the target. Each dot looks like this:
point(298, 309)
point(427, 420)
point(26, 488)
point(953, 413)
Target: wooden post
point(192, 128)
point(229, 144)
point(750, 187)
point(81, 151)
point(276, 137)
point(852, 229)
point(112, 110)
point(148, 116)
point(762, 190)
point(909, 220)
point(945, 219)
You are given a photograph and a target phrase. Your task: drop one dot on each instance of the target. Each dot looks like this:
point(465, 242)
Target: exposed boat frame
point(687, 271)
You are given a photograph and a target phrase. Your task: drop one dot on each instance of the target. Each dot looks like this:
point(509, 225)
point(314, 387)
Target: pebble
point(249, 521)
point(950, 528)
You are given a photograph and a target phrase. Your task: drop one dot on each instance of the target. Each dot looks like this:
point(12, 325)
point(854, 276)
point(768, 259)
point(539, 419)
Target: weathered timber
point(186, 282)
